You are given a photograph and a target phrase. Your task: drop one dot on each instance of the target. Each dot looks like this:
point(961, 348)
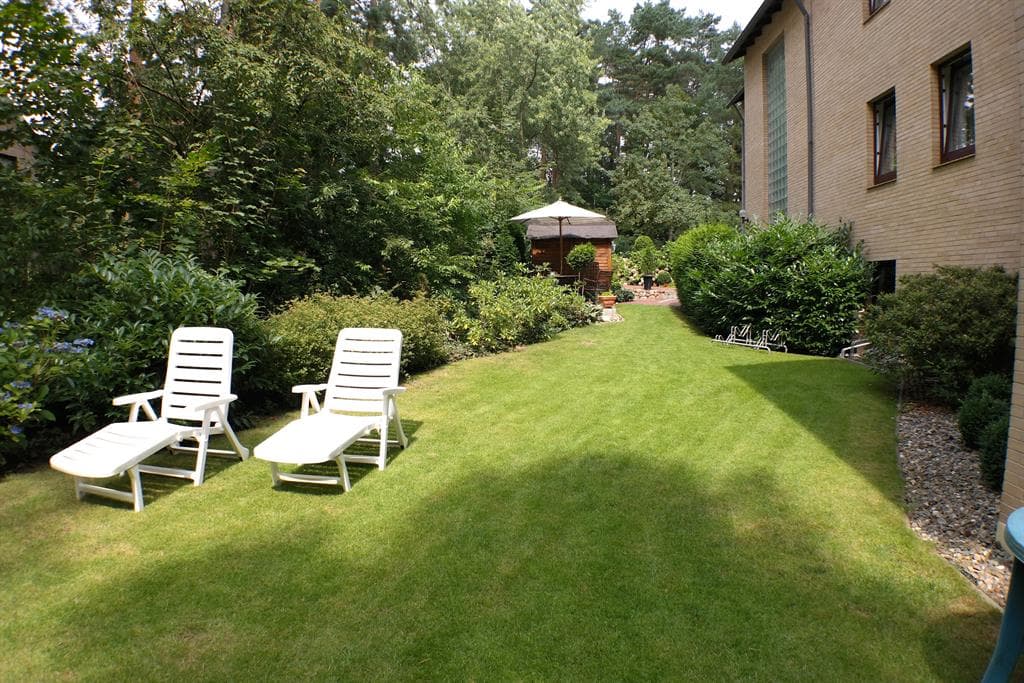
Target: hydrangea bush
point(33, 359)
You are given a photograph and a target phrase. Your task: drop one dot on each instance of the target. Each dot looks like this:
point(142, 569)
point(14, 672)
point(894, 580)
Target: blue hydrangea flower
point(51, 313)
point(6, 396)
point(16, 429)
point(21, 384)
point(26, 406)
point(62, 347)
point(84, 341)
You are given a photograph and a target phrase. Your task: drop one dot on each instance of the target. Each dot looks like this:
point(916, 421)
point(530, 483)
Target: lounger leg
point(242, 451)
point(382, 459)
point(273, 474)
point(402, 440)
point(133, 475)
point(204, 442)
point(79, 493)
point(343, 468)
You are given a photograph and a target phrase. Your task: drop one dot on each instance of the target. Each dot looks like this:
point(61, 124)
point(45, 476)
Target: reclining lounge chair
point(359, 400)
point(196, 394)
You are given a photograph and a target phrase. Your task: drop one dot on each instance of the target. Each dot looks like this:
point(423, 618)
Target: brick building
point(903, 118)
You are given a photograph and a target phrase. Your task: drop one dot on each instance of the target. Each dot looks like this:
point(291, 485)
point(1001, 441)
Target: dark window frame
point(8, 161)
point(876, 5)
point(879, 120)
point(945, 71)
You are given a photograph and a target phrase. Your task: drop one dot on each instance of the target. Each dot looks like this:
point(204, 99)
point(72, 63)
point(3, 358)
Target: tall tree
point(672, 147)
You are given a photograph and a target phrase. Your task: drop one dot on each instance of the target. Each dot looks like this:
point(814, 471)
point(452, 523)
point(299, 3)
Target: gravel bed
point(947, 502)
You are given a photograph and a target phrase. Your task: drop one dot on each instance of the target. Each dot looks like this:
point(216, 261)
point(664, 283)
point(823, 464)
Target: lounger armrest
point(394, 391)
point(219, 401)
point(129, 399)
point(304, 388)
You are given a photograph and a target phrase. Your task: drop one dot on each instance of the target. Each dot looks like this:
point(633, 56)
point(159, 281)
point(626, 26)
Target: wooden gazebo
point(546, 245)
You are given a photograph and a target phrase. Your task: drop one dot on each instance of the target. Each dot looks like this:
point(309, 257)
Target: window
point(775, 115)
point(956, 110)
point(875, 5)
point(8, 161)
point(884, 279)
point(884, 115)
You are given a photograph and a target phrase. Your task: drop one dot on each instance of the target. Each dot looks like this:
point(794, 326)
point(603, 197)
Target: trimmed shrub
point(130, 307)
point(515, 310)
point(662, 278)
point(993, 452)
point(987, 400)
point(941, 330)
point(691, 243)
point(581, 256)
point(644, 255)
point(801, 279)
point(307, 330)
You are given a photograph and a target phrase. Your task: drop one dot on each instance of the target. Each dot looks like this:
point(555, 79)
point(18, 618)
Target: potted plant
point(607, 299)
point(646, 258)
point(580, 258)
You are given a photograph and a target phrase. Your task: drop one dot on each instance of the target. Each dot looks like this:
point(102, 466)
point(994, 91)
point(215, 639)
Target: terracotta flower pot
point(607, 300)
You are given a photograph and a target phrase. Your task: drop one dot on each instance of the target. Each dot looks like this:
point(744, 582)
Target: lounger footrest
point(115, 450)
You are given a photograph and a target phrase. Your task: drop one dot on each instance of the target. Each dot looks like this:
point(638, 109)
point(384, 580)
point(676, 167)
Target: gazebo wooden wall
point(598, 276)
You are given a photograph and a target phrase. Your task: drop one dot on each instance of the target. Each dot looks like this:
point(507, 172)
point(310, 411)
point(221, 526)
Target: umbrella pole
point(561, 250)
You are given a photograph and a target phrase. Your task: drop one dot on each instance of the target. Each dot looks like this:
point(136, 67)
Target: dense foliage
point(941, 330)
point(993, 444)
point(798, 278)
point(516, 310)
point(131, 305)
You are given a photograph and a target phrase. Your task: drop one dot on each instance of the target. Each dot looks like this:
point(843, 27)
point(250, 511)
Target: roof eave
point(750, 33)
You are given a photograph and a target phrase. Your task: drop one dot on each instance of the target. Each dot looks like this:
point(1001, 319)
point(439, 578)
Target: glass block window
point(884, 111)
point(775, 111)
point(956, 90)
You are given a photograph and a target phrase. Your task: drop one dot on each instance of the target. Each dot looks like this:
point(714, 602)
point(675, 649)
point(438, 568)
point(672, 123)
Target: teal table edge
point(1011, 632)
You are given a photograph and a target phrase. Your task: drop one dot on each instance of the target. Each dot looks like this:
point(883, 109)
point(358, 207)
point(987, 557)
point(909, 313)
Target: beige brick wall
point(967, 212)
point(1013, 485)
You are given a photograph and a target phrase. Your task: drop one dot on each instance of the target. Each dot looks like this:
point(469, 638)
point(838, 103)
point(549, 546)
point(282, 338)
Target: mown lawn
point(628, 501)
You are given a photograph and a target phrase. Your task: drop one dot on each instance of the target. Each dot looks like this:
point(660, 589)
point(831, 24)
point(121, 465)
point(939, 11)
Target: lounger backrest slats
point(366, 361)
point(198, 370)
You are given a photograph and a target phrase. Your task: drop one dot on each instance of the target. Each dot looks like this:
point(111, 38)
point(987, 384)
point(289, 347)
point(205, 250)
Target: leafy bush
point(622, 294)
point(941, 330)
point(306, 331)
point(515, 310)
point(993, 452)
point(801, 279)
point(131, 304)
point(691, 243)
point(581, 256)
point(662, 278)
point(987, 400)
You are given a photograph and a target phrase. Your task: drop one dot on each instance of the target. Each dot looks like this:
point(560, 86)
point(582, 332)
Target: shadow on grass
point(816, 393)
point(589, 566)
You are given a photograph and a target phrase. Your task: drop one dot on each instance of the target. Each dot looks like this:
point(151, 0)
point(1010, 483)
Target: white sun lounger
point(359, 400)
point(196, 393)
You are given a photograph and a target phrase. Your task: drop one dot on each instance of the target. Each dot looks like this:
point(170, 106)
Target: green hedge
point(515, 310)
point(941, 330)
point(306, 331)
point(799, 278)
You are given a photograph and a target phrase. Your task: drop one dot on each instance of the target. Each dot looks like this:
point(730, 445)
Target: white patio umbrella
point(560, 211)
